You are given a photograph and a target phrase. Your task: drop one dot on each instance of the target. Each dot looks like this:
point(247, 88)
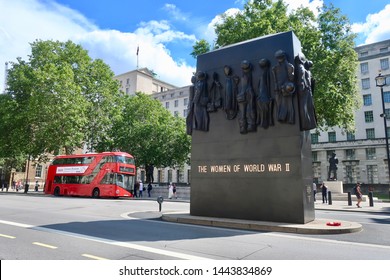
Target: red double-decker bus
point(108, 174)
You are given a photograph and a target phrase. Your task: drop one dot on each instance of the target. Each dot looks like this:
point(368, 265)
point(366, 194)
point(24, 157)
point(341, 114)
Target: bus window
point(108, 179)
point(119, 180)
point(123, 159)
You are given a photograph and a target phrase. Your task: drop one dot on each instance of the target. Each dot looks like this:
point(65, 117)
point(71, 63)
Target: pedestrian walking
point(170, 190)
point(174, 191)
point(150, 188)
point(136, 188)
point(141, 188)
point(359, 195)
point(324, 191)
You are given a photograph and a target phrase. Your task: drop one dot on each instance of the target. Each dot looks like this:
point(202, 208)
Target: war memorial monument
point(250, 115)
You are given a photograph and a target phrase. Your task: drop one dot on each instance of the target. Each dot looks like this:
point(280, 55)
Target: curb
point(318, 226)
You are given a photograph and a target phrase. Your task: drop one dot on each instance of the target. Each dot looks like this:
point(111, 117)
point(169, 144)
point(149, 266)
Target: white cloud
point(376, 28)
point(51, 21)
point(175, 12)
point(208, 32)
point(311, 4)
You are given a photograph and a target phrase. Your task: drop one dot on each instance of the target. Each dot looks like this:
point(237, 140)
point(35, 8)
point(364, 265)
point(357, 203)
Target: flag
point(137, 50)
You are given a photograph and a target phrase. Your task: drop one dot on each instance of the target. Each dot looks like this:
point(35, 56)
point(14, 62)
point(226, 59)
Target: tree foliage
point(201, 46)
point(60, 99)
point(150, 133)
point(326, 39)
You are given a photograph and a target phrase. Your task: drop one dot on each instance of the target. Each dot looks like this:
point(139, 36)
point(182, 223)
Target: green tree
point(56, 98)
point(326, 39)
point(150, 133)
point(201, 46)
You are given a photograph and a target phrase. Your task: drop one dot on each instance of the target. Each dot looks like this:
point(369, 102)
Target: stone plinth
point(334, 186)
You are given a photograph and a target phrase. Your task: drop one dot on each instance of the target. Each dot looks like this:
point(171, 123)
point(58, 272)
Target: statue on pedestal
point(333, 161)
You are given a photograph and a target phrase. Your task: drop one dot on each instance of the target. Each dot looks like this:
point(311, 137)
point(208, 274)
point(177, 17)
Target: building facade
point(362, 155)
point(174, 99)
point(142, 80)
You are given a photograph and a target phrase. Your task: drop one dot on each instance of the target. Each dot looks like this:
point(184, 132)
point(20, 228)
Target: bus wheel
point(56, 191)
point(95, 193)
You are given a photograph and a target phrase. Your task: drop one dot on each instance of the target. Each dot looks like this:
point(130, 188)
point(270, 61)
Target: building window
point(176, 103)
point(370, 133)
point(362, 54)
point(383, 50)
point(350, 136)
point(387, 113)
point(178, 176)
point(370, 153)
point(332, 136)
point(185, 101)
point(372, 174)
point(350, 174)
point(384, 64)
point(170, 175)
point(364, 67)
point(367, 100)
point(176, 113)
point(167, 105)
point(314, 138)
point(38, 171)
point(368, 116)
point(159, 176)
point(386, 96)
point(314, 156)
point(366, 83)
point(350, 154)
point(185, 113)
point(127, 90)
point(387, 80)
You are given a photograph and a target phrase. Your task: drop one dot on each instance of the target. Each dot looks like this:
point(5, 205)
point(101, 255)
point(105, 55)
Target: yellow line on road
point(93, 257)
point(45, 245)
point(7, 236)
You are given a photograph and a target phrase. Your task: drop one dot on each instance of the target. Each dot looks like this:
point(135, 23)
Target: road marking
point(7, 236)
point(44, 245)
point(93, 257)
point(110, 242)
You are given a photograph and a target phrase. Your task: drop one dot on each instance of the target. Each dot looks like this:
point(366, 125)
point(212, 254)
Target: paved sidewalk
point(378, 207)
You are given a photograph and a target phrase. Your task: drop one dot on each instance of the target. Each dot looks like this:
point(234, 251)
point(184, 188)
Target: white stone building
point(174, 99)
point(362, 155)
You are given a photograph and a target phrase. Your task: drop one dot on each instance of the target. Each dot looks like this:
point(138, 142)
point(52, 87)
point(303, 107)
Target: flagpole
point(137, 56)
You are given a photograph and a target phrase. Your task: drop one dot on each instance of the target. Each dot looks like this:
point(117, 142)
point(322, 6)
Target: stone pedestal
point(334, 186)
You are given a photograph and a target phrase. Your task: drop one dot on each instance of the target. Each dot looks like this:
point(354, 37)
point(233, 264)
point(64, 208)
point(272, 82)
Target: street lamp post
point(381, 82)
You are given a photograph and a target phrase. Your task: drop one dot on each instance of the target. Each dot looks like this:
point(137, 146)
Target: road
point(66, 228)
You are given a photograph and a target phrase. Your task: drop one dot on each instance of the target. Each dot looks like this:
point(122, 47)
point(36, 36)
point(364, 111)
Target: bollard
point(329, 197)
point(371, 198)
point(160, 200)
point(349, 199)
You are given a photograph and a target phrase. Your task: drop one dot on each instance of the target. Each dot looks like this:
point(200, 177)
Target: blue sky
point(164, 30)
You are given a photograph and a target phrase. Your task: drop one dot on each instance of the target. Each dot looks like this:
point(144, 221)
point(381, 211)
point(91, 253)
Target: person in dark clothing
point(150, 188)
point(324, 190)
